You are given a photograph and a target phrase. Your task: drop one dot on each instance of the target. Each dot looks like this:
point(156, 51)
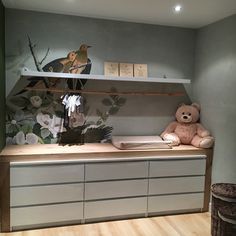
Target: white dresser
point(103, 186)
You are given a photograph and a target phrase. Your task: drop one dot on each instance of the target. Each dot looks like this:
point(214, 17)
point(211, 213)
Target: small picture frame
point(111, 69)
point(140, 70)
point(126, 70)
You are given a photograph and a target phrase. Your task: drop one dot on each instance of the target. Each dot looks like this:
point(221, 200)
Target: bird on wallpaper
point(76, 62)
point(81, 65)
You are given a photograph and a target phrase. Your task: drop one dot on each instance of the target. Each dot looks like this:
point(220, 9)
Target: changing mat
point(140, 142)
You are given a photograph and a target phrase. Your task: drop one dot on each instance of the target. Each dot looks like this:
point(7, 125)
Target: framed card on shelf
point(126, 70)
point(140, 70)
point(111, 68)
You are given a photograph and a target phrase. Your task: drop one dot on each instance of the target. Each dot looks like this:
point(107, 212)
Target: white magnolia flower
point(36, 101)
point(44, 120)
point(31, 138)
point(20, 138)
point(56, 126)
point(13, 122)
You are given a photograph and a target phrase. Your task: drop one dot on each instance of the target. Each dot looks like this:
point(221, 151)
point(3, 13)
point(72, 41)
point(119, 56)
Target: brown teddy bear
point(186, 130)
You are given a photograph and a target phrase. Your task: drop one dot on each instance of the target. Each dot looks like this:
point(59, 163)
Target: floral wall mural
point(55, 40)
point(39, 117)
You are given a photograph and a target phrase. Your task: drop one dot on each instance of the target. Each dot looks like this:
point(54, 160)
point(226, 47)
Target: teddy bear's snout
point(186, 118)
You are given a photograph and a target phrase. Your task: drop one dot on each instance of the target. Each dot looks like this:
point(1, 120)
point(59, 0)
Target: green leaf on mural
point(121, 101)
point(107, 102)
point(47, 140)
point(113, 110)
point(26, 129)
point(20, 102)
point(37, 129)
point(45, 133)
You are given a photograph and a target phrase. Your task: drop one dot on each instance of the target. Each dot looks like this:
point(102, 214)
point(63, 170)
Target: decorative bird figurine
point(76, 62)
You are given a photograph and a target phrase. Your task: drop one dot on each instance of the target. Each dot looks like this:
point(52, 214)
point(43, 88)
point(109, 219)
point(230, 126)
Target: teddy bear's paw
point(207, 142)
point(205, 133)
point(173, 138)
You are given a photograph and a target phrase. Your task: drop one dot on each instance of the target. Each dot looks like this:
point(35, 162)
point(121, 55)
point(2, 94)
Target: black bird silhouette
point(76, 62)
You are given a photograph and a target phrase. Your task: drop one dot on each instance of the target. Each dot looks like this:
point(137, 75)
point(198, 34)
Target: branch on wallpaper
point(36, 61)
point(41, 62)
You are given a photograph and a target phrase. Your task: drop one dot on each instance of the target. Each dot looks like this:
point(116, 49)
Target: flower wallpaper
point(39, 117)
point(33, 118)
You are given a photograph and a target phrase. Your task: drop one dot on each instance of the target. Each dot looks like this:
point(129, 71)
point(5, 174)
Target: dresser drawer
point(23, 196)
point(118, 207)
point(176, 202)
point(26, 216)
point(176, 185)
point(116, 189)
point(116, 170)
point(177, 167)
point(46, 174)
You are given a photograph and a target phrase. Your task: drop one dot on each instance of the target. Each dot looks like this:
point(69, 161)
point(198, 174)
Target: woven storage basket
point(223, 194)
point(227, 217)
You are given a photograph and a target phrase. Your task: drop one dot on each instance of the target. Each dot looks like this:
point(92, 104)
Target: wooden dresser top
point(87, 152)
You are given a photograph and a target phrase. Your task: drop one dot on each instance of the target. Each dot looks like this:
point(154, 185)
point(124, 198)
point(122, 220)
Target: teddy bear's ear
point(181, 104)
point(196, 106)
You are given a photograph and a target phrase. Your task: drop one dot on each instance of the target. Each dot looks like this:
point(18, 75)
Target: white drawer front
point(175, 202)
point(108, 171)
point(24, 216)
point(115, 189)
point(177, 167)
point(119, 207)
point(23, 196)
point(176, 185)
point(46, 174)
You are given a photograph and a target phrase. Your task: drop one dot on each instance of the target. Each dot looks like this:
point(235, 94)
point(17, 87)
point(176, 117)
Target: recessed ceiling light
point(178, 8)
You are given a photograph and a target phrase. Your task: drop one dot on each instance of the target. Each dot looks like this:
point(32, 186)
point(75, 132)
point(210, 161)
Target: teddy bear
point(186, 130)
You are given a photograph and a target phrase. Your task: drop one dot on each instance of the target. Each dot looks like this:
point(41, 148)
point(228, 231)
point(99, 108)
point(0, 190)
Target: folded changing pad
point(140, 142)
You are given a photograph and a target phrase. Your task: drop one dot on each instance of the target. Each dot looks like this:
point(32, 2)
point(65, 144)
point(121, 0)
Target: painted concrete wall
point(167, 51)
point(214, 87)
point(2, 76)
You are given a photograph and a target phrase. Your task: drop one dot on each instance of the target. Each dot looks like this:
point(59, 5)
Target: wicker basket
point(223, 194)
point(227, 217)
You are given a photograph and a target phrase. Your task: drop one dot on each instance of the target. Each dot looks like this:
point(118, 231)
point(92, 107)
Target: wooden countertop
point(86, 152)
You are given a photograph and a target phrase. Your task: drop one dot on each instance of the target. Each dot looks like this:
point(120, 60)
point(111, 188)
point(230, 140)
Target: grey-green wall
point(166, 50)
point(214, 87)
point(2, 76)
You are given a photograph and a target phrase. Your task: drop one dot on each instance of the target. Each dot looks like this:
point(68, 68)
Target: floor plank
point(175, 225)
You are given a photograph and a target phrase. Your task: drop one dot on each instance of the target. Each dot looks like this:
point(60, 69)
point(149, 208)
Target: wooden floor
point(178, 225)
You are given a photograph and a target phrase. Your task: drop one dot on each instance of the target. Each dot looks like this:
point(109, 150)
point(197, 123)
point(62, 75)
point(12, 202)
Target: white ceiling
point(195, 13)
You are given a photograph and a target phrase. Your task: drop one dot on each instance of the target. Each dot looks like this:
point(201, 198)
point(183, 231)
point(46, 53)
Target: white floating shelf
point(28, 73)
